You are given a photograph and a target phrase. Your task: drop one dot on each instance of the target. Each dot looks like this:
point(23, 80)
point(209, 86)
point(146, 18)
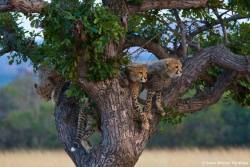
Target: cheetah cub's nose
point(143, 80)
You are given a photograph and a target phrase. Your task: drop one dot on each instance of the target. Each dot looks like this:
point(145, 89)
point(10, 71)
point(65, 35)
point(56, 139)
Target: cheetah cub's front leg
point(147, 114)
point(158, 102)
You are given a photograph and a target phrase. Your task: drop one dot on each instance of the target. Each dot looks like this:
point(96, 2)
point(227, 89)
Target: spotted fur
point(158, 79)
point(137, 74)
point(85, 128)
point(49, 84)
point(49, 87)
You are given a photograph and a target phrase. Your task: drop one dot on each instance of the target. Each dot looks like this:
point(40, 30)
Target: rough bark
point(166, 4)
point(66, 113)
point(25, 6)
point(122, 141)
point(36, 6)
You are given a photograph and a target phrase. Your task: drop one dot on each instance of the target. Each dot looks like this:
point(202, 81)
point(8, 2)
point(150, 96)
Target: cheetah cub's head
point(46, 83)
point(173, 67)
point(137, 72)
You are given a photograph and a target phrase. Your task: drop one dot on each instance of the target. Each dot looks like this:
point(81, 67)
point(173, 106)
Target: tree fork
point(122, 141)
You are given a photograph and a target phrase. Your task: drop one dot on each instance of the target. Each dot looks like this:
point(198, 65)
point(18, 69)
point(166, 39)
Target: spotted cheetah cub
point(137, 74)
point(160, 75)
point(49, 84)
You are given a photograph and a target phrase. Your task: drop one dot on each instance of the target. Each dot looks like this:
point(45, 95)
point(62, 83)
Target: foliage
point(241, 6)
point(240, 41)
point(242, 93)
point(84, 100)
point(62, 50)
point(147, 25)
point(14, 38)
point(173, 117)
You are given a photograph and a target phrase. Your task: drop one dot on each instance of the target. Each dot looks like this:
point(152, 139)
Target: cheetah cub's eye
point(143, 77)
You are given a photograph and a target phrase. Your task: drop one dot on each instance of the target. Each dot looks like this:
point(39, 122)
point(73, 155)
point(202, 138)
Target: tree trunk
point(122, 142)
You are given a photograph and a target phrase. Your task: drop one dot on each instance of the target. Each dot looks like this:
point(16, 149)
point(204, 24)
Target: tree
point(86, 43)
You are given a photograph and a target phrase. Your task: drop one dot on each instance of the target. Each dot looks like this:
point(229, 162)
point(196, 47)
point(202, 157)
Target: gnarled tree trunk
point(122, 141)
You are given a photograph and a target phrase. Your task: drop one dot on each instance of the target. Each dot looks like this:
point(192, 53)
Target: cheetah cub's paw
point(145, 121)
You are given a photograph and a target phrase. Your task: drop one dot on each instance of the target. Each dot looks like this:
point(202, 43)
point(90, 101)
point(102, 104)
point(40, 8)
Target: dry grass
point(195, 158)
point(35, 159)
point(150, 158)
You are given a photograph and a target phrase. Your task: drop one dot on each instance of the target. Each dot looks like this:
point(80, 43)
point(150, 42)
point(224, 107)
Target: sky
point(10, 72)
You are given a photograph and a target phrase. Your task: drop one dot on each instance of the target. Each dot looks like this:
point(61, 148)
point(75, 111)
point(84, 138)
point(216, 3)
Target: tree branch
point(9, 39)
point(224, 29)
point(181, 25)
point(209, 97)
point(208, 26)
point(166, 4)
point(219, 55)
point(4, 51)
point(151, 46)
point(4, 6)
point(25, 6)
point(12, 42)
point(66, 112)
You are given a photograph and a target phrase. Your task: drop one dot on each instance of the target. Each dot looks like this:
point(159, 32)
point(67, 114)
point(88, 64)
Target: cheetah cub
point(49, 84)
point(137, 74)
point(160, 75)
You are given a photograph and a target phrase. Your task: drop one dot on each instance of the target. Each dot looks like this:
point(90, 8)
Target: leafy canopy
point(61, 50)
